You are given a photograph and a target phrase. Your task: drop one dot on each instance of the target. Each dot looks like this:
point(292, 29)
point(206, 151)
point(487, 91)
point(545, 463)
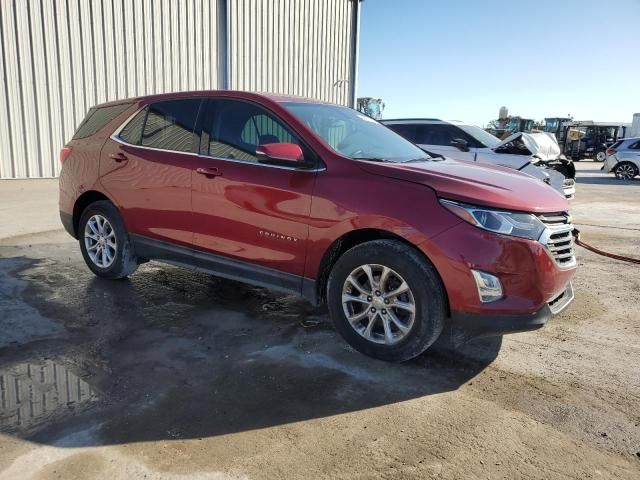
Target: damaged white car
point(537, 154)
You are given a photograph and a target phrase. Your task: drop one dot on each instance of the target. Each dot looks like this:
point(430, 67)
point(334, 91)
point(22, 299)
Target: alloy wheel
point(601, 156)
point(626, 171)
point(379, 304)
point(100, 241)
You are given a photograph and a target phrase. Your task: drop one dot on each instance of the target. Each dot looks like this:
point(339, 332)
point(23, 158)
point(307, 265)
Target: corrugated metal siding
point(296, 47)
point(60, 57)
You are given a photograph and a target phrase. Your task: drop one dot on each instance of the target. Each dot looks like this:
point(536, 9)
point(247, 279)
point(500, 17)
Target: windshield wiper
point(370, 159)
point(421, 159)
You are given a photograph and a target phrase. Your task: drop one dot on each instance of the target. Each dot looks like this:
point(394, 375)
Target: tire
point(386, 340)
point(625, 171)
point(122, 262)
point(600, 156)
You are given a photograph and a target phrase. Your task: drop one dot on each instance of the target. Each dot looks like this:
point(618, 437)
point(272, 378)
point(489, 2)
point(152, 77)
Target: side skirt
point(224, 267)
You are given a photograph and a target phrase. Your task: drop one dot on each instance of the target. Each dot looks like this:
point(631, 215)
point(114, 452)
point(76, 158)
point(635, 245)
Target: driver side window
point(234, 129)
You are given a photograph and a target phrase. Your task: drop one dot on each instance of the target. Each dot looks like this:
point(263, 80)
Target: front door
point(251, 213)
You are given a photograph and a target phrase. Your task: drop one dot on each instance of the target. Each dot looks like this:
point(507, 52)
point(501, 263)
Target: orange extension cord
point(576, 235)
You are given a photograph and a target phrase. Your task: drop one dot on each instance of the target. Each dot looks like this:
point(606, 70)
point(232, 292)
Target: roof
point(204, 93)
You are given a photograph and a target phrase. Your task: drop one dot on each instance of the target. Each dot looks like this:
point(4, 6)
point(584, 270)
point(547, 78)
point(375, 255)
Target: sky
point(463, 60)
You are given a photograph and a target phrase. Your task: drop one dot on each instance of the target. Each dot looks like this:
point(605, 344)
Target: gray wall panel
point(299, 47)
point(60, 57)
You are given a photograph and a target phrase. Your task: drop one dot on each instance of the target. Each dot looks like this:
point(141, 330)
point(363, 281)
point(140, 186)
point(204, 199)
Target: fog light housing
point(489, 286)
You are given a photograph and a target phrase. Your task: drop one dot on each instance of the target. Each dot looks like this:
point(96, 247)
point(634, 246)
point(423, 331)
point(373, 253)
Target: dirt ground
point(173, 374)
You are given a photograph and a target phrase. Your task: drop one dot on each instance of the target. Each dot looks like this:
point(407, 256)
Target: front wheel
point(386, 300)
point(104, 241)
point(626, 171)
point(600, 156)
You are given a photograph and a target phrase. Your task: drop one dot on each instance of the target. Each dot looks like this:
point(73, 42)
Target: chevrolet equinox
point(318, 200)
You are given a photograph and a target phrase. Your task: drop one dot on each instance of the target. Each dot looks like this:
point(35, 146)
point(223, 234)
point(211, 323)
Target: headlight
point(517, 224)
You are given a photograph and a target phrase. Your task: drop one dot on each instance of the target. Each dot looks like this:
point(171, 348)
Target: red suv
point(321, 201)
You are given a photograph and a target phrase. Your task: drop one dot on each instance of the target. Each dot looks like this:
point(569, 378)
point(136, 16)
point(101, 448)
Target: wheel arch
point(351, 239)
point(82, 202)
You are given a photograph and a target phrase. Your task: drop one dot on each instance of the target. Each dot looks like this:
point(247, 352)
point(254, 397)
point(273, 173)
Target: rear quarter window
point(97, 118)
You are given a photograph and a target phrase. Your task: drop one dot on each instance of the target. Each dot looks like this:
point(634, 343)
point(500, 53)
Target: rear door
point(250, 212)
point(146, 169)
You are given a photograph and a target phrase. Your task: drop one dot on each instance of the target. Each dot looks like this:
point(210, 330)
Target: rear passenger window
point(634, 146)
point(132, 132)
point(170, 125)
point(97, 118)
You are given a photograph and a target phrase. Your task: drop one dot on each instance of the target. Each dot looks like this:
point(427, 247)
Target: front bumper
point(529, 274)
point(466, 326)
point(569, 188)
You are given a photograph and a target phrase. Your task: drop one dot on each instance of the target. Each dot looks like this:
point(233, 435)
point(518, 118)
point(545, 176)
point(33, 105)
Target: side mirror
point(460, 144)
point(286, 154)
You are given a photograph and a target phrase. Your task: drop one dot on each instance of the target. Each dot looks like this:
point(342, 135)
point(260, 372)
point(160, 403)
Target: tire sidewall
point(618, 176)
point(425, 285)
point(125, 256)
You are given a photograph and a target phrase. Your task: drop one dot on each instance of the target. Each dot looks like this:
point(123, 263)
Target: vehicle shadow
point(607, 181)
point(173, 354)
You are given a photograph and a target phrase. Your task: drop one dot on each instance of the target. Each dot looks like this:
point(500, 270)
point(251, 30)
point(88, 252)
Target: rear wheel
point(600, 156)
point(626, 170)
point(104, 241)
point(386, 300)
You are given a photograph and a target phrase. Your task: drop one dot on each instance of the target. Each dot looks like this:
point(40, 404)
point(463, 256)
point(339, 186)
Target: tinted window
point(233, 129)
point(132, 132)
point(437, 134)
point(170, 125)
point(405, 130)
point(634, 146)
point(97, 118)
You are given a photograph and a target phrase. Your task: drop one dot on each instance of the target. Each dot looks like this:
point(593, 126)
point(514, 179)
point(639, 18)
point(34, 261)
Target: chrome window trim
point(115, 136)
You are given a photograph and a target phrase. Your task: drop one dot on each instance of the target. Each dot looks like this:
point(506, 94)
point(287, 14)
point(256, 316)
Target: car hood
point(485, 185)
point(543, 145)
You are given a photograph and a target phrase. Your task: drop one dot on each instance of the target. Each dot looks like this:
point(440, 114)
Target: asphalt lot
point(174, 374)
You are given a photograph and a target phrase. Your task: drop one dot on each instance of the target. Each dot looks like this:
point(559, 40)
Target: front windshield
point(481, 135)
point(551, 125)
point(354, 135)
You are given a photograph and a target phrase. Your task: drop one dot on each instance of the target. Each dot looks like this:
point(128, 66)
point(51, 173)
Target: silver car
point(623, 158)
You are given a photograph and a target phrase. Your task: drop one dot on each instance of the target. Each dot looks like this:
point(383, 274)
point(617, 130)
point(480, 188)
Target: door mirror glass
point(286, 154)
point(460, 144)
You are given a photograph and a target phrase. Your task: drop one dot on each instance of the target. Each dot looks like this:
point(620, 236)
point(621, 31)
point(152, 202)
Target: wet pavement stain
point(34, 394)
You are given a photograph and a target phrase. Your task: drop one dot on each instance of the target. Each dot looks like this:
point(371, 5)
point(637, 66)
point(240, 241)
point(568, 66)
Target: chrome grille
point(558, 238)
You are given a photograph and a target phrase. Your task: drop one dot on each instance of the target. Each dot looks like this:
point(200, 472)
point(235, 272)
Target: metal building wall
point(295, 47)
point(60, 57)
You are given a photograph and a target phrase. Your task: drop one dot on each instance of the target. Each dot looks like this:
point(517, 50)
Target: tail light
point(64, 153)
point(611, 151)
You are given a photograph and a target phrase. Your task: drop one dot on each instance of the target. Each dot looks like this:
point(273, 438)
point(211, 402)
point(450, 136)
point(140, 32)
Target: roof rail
point(398, 119)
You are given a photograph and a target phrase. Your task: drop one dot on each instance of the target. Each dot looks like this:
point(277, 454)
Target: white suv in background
point(537, 154)
point(623, 158)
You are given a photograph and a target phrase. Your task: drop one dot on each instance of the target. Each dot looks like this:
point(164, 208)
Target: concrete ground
point(174, 374)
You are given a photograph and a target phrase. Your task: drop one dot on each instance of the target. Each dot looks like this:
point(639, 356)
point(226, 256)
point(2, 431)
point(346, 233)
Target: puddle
point(20, 323)
point(33, 394)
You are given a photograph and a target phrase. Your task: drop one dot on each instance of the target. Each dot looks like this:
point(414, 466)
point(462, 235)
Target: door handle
point(209, 172)
point(118, 157)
